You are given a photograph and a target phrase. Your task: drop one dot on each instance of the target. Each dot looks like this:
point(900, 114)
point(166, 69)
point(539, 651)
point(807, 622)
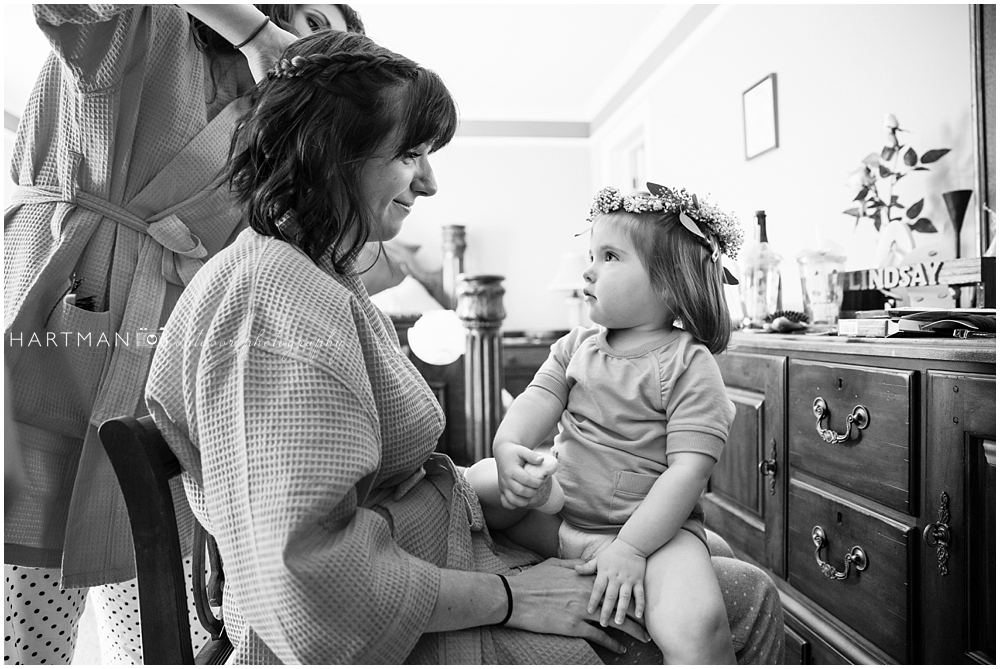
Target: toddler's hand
point(518, 484)
point(620, 572)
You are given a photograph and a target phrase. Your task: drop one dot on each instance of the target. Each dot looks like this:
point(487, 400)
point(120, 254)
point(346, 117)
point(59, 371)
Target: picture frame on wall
point(760, 117)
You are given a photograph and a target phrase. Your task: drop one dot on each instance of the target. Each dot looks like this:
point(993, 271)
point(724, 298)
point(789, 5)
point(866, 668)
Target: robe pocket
point(630, 489)
point(59, 371)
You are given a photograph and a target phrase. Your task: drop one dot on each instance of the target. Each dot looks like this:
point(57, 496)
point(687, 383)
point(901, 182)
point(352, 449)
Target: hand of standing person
point(249, 30)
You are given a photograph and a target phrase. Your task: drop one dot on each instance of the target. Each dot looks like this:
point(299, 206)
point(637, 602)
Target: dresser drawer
point(875, 461)
point(875, 600)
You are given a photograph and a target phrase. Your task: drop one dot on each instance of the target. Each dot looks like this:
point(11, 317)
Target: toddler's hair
point(681, 270)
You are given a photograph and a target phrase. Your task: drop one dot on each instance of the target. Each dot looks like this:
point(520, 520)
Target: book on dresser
point(909, 322)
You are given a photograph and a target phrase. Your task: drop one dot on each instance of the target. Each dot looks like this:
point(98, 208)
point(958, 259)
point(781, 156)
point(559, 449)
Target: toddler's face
point(618, 291)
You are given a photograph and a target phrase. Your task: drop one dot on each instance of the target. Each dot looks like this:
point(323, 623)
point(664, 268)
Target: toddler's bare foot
point(549, 498)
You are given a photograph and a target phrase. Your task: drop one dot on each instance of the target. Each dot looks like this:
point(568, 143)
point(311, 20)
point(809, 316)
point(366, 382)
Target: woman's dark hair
point(681, 270)
point(331, 104)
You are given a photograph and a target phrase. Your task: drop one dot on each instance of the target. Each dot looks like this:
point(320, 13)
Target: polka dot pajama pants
point(41, 619)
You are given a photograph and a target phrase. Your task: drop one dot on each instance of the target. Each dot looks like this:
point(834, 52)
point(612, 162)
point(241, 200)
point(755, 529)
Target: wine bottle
point(761, 285)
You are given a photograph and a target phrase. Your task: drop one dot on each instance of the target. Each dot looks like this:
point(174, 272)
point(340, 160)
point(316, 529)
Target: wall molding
point(683, 30)
point(562, 129)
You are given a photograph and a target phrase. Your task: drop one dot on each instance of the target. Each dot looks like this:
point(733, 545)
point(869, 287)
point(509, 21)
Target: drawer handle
point(938, 535)
point(857, 557)
point(769, 468)
point(859, 416)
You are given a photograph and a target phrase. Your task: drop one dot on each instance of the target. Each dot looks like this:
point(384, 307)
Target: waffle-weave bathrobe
point(115, 210)
point(306, 437)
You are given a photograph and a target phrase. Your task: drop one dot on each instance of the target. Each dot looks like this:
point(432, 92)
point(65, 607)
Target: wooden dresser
point(862, 474)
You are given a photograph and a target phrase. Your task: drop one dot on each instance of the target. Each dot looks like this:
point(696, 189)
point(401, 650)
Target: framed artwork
point(760, 116)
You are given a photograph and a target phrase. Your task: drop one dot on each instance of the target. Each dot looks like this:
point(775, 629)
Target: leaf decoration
point(888, 152)
point(920, 168)
point(933, 155)
point(884, 171)
point(861, 195)
point(856, 213)
point(690, 225)
point(915, 209)
point(923, 225)
point(910, 157)
point(877, 222)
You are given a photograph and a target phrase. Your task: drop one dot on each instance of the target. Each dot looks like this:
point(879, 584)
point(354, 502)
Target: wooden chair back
point(144, 465)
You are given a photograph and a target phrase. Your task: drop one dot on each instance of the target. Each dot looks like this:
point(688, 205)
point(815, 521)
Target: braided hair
point(327, 107)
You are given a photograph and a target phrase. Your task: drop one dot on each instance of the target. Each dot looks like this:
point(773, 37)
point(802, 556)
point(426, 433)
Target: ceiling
point(556, 66)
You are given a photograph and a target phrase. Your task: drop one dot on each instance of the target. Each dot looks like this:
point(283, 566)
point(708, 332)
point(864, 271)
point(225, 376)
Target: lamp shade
point(438, 337)
point(569, 275)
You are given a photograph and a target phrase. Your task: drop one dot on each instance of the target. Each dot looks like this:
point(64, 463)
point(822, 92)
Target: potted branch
point(876, 179)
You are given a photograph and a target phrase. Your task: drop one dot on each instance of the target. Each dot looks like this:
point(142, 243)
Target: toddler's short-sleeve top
point(626, 411)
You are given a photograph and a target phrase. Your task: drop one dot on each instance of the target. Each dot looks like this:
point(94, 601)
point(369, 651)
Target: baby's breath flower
point(724, 226)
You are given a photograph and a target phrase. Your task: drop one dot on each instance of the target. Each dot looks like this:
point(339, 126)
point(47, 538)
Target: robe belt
point(172, 249)
point(186, 250)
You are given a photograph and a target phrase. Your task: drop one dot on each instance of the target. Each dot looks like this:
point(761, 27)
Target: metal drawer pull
point(859, 416)
point(938, 535)
point(856, 557)
point(769, 468)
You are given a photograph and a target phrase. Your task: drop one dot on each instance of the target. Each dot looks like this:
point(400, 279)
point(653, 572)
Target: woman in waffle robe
point(117, 205)
point(307, 437)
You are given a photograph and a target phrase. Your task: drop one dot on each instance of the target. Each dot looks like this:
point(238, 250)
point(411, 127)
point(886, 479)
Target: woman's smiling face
point(618, 291)
point(392, 185)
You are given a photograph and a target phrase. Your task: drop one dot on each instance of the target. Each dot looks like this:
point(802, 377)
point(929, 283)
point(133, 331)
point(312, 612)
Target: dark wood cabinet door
point(745, 502)
point(958, 547)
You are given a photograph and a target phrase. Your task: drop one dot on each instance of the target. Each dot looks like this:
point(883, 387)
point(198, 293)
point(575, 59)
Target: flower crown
point(724, 228)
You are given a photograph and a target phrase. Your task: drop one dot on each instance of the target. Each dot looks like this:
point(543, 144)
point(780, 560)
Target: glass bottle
point(761, 283)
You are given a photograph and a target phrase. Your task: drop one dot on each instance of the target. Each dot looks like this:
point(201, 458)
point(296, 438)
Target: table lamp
point(438, 337)
point(569, 279)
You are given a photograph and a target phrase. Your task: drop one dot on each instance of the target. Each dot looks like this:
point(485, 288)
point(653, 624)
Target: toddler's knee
point(697, 637)
point(482, 473)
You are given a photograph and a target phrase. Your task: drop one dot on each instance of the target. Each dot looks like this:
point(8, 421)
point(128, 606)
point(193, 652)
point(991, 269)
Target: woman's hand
point(517, 486)
point(264, 50)
point(620, 570)
point(552, 598)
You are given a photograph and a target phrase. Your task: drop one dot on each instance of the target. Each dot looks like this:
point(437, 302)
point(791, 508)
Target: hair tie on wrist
point(510, 599)
point(253, 34)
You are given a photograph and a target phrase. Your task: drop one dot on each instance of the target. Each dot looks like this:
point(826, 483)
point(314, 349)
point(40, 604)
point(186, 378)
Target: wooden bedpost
point(453, 246)
point(480, 306)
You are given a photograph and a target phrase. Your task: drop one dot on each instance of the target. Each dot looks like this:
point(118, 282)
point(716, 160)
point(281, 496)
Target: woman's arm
point(548, 598)
point(238, 22)
point(669, 502)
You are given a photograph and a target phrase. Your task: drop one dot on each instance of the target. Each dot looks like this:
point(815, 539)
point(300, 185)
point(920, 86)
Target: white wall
point(522, 201)
point(839, 69)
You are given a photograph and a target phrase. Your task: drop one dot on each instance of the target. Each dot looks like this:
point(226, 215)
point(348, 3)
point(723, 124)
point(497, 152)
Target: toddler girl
point(643, 416)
